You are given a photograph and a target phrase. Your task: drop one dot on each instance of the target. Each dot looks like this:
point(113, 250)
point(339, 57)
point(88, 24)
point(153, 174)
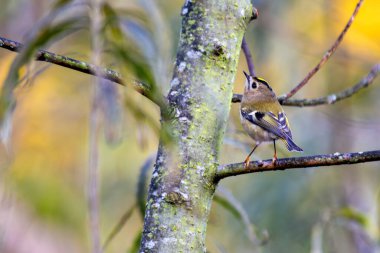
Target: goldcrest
point(262, 116)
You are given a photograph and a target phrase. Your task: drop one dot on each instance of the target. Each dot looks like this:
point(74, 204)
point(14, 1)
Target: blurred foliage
point(353, 215)
point(48, 152)
point(225, 198)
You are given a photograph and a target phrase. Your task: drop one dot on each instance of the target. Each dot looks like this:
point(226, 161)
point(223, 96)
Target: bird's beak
point(246, 75)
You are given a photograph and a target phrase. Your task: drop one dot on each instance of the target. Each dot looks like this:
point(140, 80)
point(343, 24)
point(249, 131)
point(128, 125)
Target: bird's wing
point(277, 125)
point(283, 123)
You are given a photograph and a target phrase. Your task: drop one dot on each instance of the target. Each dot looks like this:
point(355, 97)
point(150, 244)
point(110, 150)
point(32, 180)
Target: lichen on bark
point(183, 182)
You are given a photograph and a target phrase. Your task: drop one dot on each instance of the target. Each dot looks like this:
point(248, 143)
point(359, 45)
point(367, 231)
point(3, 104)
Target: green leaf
point(45, 35)
point(113, 113)
point(45, 31)
point(161, 39)
point(60, 3)
point(126, 216)
point(136, 243)
point(353, 215)
point(141, 193)
point(129, 42)
point(231, 204)
point(227, 205)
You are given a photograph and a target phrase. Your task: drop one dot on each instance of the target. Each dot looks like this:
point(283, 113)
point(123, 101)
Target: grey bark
point(183, 184)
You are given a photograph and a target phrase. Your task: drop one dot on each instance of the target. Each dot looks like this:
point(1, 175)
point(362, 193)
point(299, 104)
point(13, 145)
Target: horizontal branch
point(111, 75)
point(330, 99)
point(297, 162)
point(81, 66)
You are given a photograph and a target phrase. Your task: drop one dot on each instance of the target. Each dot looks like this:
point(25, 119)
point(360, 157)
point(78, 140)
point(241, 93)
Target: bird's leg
point(275, 152)
point(246, 161)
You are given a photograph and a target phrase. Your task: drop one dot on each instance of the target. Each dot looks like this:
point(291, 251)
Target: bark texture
point(183, 184)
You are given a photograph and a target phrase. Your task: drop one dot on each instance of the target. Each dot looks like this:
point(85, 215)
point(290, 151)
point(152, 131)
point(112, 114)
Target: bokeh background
point(43, 204)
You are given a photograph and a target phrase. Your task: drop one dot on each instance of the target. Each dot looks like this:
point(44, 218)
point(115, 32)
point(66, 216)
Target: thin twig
point(93, 179)
point(81, 66)
point(94, 127)
point(297, 162)
point(329, 99)
point(327, 55)
point(248, 57)
point(333, 98)
point(224, 197)
point(120, 224)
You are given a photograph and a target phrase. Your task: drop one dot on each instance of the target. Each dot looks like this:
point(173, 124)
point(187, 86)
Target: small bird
point(262, 116)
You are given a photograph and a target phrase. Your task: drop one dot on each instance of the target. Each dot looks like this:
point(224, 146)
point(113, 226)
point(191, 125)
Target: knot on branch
point(255, 14)
point(218, 50)
point(176, 197)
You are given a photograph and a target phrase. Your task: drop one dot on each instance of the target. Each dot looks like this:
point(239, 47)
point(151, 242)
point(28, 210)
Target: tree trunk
point(183, 184)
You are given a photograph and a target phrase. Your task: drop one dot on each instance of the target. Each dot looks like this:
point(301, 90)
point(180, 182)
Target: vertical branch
point(182, 184)
point(93, 178)
point(93, 169)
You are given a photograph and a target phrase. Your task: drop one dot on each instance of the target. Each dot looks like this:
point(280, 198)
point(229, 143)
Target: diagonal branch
point(327, 55)
point(81, 66)
point(333, 98)
point(329, 99)
point(297, 162)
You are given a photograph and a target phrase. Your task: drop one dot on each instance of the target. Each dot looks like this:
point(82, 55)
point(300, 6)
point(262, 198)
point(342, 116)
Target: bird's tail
point(291, 146)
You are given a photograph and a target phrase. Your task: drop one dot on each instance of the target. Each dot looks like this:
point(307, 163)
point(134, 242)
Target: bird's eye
point(254, 85)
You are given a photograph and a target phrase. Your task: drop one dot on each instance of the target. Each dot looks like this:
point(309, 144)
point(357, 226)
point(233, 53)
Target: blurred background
point(43, 170)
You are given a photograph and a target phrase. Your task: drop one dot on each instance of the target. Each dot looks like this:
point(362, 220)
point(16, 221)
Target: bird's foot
point(274, 159)
point(246, 163)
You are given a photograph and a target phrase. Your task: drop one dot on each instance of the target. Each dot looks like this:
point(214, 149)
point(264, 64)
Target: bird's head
point(257, 86)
